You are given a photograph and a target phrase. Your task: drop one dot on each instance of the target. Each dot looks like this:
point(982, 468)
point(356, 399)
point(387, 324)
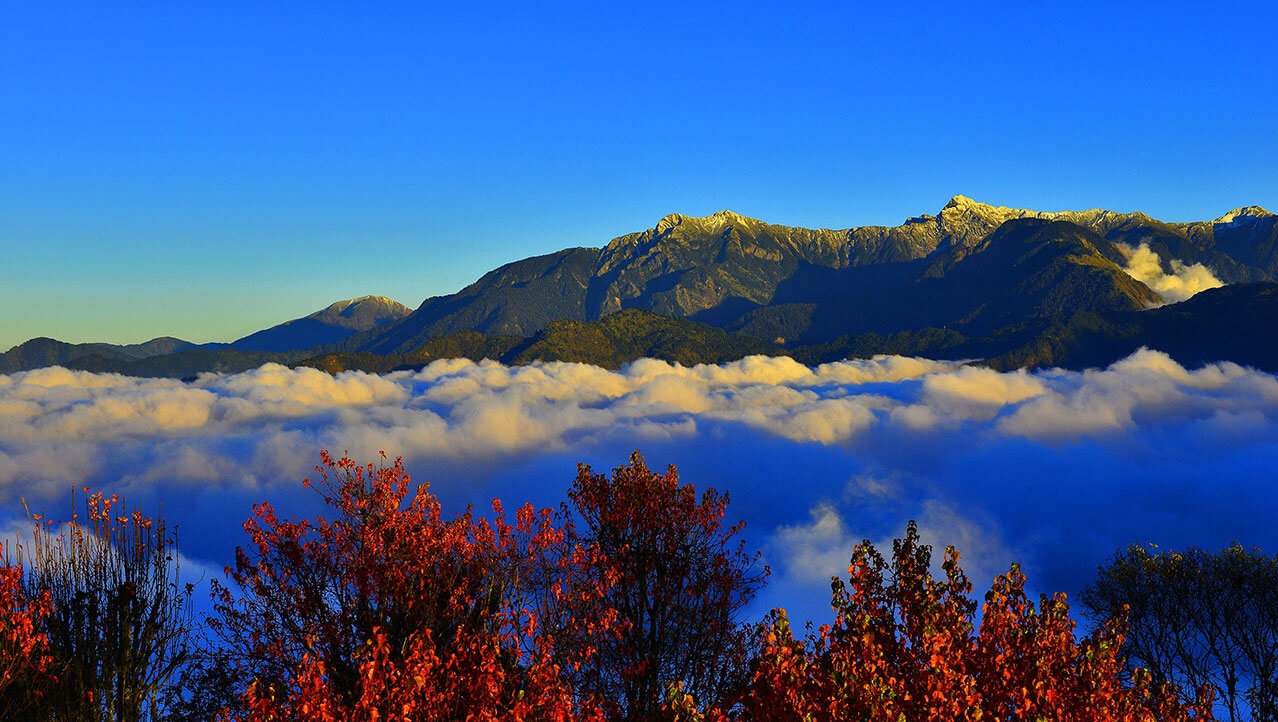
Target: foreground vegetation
point(623, 604)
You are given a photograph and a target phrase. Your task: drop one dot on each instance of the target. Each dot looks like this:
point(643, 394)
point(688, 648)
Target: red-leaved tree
point(392, 611)
point(25, 662)
point(681, 581)
point(905, 646)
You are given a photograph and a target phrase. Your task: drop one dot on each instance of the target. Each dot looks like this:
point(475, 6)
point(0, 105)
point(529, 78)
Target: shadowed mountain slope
point(1030, 270)
point(608, 342)
point(330, 325)
point(1233, 323)
point(744, 274)
point(518, 299)
point(41, 352)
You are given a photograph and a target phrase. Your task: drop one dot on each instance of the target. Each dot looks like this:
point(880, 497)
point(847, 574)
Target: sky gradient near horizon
point(207, 172)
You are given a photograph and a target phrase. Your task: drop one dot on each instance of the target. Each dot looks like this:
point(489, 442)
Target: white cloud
point(983, 552)
point(816, 550)
point(1055, 469)
point(978, 393)
point(295, 392)
point(1144, 390)
point(463, 409)
point(813, 551)
point(1144, 265)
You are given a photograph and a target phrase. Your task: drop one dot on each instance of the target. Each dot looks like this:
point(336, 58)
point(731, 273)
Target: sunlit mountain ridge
point(972, 281)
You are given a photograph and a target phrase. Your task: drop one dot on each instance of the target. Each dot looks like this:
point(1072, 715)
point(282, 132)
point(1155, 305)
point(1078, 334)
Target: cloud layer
point(1054, 469)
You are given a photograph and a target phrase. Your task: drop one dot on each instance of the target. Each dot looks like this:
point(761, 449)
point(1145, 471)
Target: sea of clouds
point(1054, 469)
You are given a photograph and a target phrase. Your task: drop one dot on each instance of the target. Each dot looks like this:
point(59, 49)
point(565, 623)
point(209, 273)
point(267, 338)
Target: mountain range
point(328, 325)
point(1015, 287)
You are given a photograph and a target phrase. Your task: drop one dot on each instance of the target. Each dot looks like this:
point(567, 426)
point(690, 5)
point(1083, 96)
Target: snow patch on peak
point(1246, 213)
point(729, 218)
point(963, 204)
point(668, 222)
point(362, 312)
point(714, 220)
point(339, 306)
point(965, 221)
point(962, 201)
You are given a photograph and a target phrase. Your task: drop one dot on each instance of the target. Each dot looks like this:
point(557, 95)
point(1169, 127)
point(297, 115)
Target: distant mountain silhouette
point(1014, 286)
point(608, 342)
point(329, 325)
point(166, 356)
point(41, 352)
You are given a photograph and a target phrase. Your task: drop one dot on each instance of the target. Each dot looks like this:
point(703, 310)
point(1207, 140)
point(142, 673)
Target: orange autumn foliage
point(906, 646)
point(391, 611)
point(683, 579)
point(25, 661)
point(474, 680)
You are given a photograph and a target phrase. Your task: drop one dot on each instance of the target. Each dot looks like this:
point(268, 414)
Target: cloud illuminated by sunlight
point(1144, 265)
point(1054, 469)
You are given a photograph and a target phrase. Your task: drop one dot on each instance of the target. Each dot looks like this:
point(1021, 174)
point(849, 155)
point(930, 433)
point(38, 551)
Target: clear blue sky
point(208, 171)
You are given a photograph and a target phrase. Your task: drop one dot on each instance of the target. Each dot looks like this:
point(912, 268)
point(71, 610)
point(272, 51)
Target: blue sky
point(208, 172)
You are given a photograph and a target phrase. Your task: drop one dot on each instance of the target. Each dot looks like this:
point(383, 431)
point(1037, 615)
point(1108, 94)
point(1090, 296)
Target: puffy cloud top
point(1144, 265)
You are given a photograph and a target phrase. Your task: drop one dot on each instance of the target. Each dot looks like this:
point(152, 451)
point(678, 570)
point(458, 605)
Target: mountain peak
point(963, 204)
point(669, 221)
point(350, 305)
point(331, 324)
point(963, 221)
point(1246, 213)
point(361, 313)
point(962, 201)
point(718, 218)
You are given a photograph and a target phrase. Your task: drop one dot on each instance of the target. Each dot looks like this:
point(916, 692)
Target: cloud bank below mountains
point(1054, 469)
